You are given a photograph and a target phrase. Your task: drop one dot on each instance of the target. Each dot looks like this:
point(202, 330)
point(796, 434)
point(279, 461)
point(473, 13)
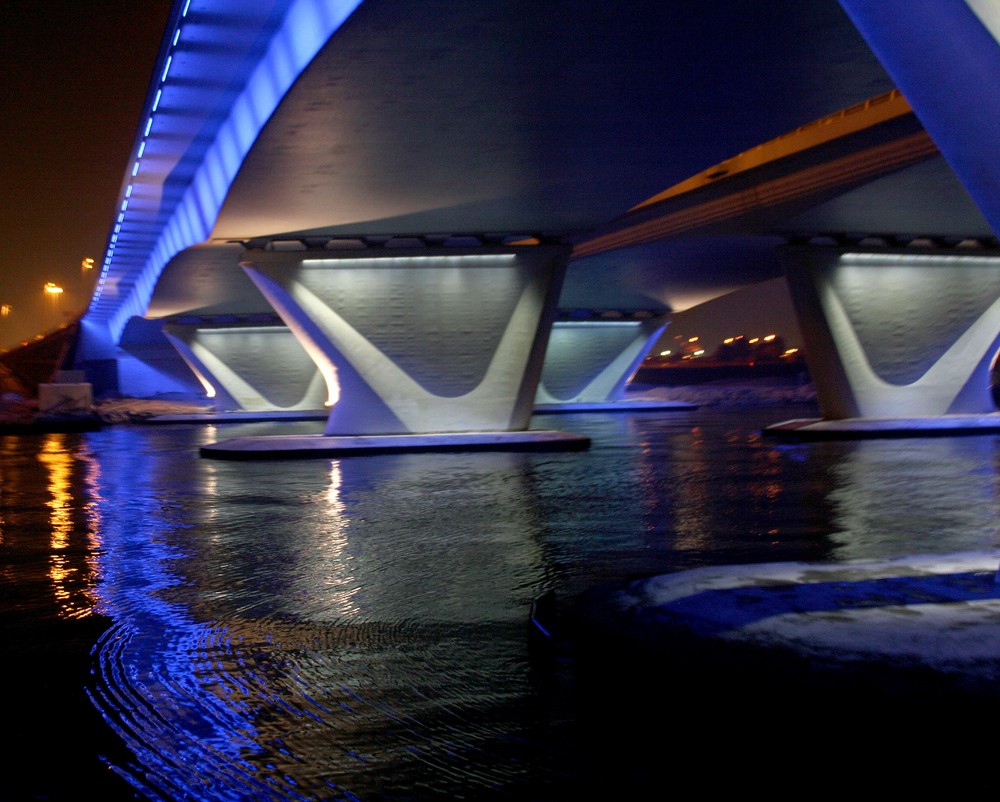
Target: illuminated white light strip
point(908, 259)
point(276, 329)
point(565, 324)
point(202, 379)
point(392, 261)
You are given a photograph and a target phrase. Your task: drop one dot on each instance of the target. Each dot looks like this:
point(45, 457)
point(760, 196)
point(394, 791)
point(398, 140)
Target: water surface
point(185, 628)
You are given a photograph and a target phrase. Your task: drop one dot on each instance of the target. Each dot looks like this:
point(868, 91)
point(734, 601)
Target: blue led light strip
point(307, 26)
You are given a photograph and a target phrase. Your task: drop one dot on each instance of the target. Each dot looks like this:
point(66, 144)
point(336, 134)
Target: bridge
point(432, 217)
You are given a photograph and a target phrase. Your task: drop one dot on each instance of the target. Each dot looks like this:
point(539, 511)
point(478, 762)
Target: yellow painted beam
point(858, 117)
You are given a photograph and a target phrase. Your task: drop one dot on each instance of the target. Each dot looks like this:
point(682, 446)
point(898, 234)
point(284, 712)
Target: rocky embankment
point(17, 410)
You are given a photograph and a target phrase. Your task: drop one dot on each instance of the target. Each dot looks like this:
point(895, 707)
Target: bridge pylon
point(417, 340)
point(898, 334)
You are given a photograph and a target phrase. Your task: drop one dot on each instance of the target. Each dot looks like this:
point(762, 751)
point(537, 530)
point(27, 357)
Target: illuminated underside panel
point(592, 361)
point(421, 342)
point(252, 368)
point(897, 334)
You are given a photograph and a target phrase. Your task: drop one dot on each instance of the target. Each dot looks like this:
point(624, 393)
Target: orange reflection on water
point(73, 577)
point(8, 449)
point(60, 467)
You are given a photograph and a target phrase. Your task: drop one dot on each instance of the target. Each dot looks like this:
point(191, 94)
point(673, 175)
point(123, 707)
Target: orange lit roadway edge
point(760, 188)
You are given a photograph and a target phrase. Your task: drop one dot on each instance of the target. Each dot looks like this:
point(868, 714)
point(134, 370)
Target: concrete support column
point(897, 333)
point(591, 361)
point(945, 58)
point(421, 340)
point(258, 368)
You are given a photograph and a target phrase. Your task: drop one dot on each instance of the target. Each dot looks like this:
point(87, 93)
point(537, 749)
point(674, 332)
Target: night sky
point(74, 79)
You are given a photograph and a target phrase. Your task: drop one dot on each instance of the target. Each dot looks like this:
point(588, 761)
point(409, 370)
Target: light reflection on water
point(341, 629)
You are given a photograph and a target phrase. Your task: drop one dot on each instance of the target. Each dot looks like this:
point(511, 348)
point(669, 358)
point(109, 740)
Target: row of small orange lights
point(729, 341)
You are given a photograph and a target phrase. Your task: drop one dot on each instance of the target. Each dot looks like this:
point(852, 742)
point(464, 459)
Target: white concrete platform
point(318, 445)
point(615, 406)
point(939, 614)
point(861, 428)
point(241, 416)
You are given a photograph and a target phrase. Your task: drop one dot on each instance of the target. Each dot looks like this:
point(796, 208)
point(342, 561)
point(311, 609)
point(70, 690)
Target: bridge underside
point(402, 128)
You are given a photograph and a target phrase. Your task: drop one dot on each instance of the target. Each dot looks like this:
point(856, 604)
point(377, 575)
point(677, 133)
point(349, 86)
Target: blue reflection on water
point(340, 629)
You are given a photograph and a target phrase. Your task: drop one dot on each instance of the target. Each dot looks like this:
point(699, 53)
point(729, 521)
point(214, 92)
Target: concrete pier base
point(313, 446)
point(614, 406)
point(867, 428)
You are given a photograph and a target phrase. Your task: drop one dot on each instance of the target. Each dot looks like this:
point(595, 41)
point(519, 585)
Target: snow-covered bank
point(125, 410)
point(15, 409)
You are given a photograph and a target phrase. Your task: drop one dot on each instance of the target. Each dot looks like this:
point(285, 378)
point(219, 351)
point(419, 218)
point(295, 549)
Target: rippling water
point(183, 628)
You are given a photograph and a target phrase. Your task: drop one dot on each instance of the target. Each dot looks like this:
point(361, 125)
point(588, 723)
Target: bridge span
point(430, 217)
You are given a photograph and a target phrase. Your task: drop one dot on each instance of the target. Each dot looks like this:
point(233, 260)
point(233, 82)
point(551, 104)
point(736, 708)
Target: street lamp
point(85, 267)
point(53, 292)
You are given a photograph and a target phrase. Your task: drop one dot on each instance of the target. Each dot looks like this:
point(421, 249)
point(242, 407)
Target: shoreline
point(18, 415)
